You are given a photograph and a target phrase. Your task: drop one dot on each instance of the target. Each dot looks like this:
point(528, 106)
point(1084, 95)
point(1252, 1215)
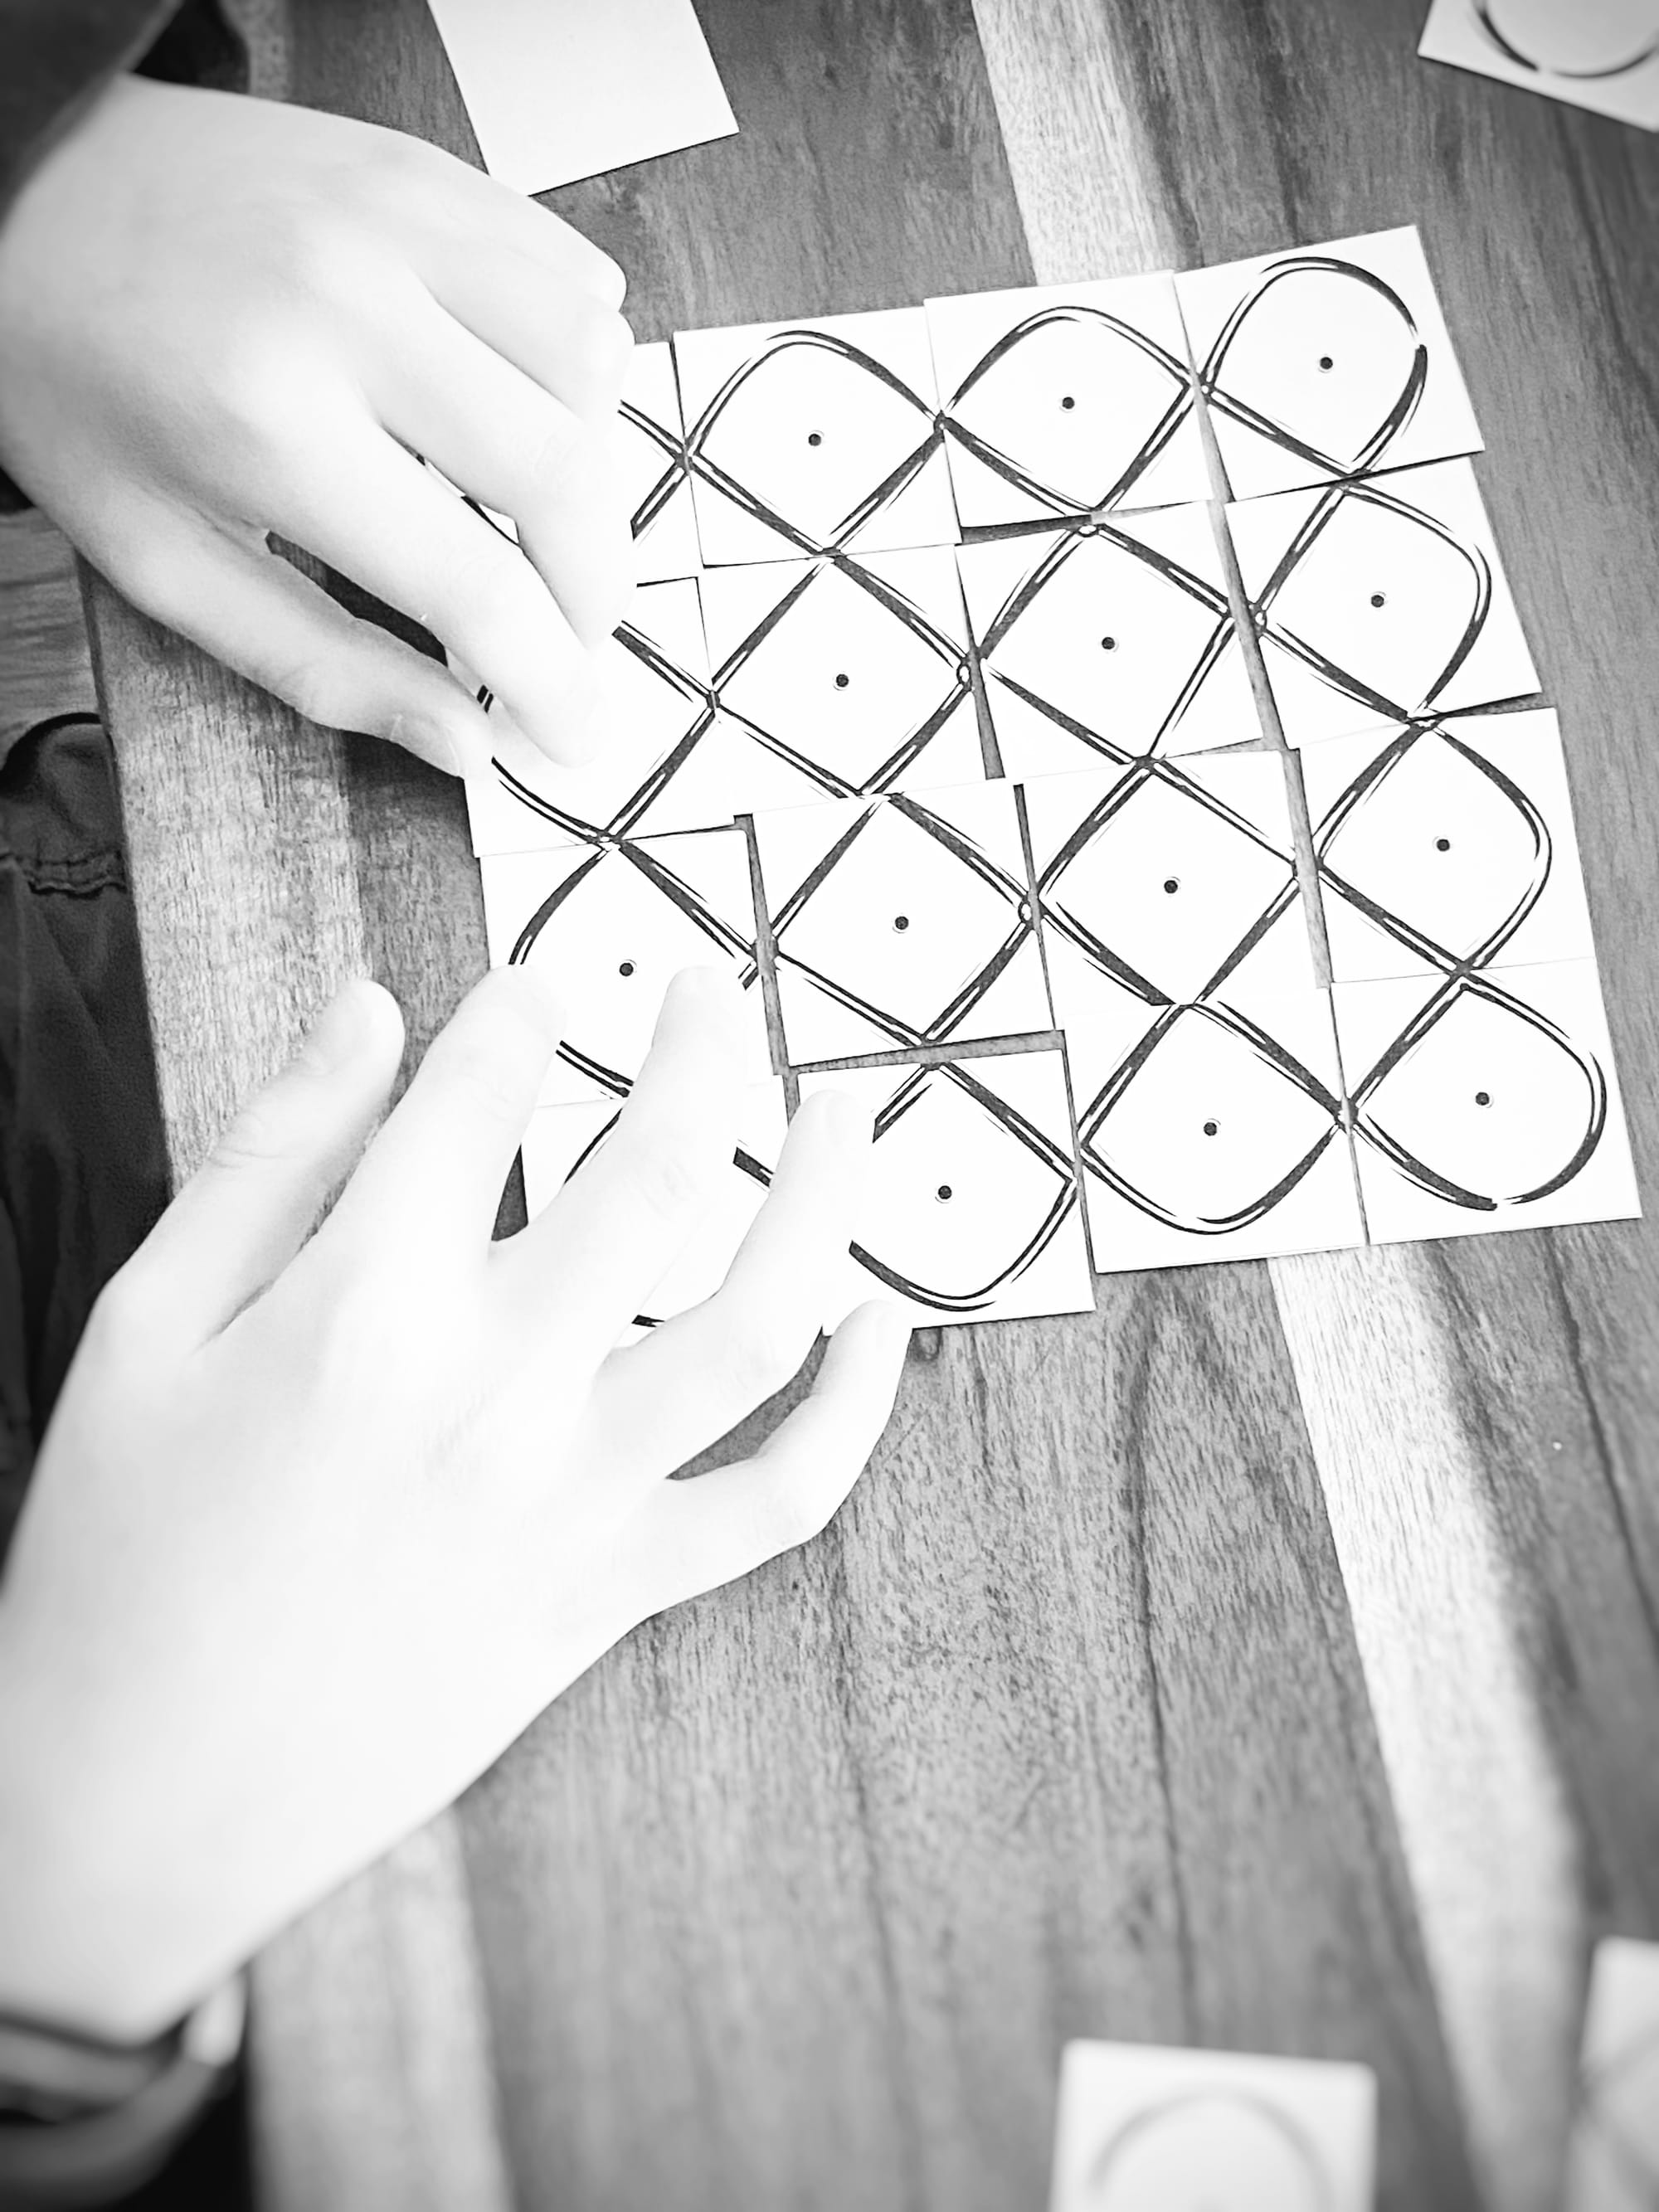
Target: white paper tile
point(900, 923)
point(1326, 361)
point(1064, 399)
point(655, 481)
point(558, 90)
point(1613, 2162)
point(614, 924)
point(1203, 1063)
point(1483, 1101)
point(1379, 602)
point(656, 713)
point(808, 436)
point(1142, 2128)
point(970, 1209)
point(1447, 843)
point(561, 1139)
point(1598, 54)
point(1107, 640)
point(845, 677)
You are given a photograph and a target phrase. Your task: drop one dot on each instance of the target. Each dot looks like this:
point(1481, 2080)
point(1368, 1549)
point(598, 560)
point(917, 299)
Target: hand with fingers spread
point(221, 318)
point(319, 1526)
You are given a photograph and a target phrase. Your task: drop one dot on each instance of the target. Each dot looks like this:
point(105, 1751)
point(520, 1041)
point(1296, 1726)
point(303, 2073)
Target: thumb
point(248, 1208)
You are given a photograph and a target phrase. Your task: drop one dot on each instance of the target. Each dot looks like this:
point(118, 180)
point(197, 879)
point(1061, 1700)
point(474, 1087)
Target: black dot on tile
point(626, 968)
point(1211, 1129)
point(842, 683)
point(815, 437)
point(1379, 600)
point(1443, 844)
point(1483, 1098)
point(1109, 645)
point(944, 1194)
point(1325, 362)
point(1172, 885)
point(900, 922)
point(1068, 401)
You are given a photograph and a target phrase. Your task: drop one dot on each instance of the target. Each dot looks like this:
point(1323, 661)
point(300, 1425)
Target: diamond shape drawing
point(615, 922)
point(1380, 601)
point(1107, 642)
point(1066, 400)
point(900, 923)
point(853, 677)
point(815, 436)
point(969, 1210)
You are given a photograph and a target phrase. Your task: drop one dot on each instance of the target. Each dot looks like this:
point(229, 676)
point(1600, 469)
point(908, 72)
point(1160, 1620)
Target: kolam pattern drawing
point(954, 718)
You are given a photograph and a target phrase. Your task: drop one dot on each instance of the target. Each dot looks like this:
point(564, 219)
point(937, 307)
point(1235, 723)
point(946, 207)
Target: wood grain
point(1178, 1673)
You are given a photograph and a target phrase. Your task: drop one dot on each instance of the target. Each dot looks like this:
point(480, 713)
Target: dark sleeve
point(55, 56)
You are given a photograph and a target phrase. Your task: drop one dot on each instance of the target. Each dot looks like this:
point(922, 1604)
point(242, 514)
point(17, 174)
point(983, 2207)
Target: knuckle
point(563, 472)
point(256, 1135)
point(670, 1179)
point(307, 685)
point(126, 1308)
point(601, 345)
point(765, 1353)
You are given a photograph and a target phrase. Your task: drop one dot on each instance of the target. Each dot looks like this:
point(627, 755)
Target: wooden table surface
point(1270, 1661)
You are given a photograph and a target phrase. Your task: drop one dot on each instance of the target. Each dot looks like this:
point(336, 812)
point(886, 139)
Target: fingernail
point(458, 750)
point(334, 1036)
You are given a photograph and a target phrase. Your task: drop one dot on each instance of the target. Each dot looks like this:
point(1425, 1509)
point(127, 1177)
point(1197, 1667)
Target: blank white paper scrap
point(1145, 2130)
point(969, 1210)
point(1326, 361)
point(1598, 54)
point(1614, 2164)
point(1065, 399)
point(558, 89)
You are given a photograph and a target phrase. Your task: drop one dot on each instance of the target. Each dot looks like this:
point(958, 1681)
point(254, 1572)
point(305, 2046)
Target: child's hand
point(316, 1531)
point(221, 318)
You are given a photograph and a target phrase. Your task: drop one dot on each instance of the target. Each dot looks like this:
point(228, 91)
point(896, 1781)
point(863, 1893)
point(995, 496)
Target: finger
point(247, 1210)
point(480, 212)
point(592, 1257)
point(369, 508)
point(658, 1403)
point(258, 614)
point(693, 1535)
point(431, 1185)
point(562, 338)
point(497, 433)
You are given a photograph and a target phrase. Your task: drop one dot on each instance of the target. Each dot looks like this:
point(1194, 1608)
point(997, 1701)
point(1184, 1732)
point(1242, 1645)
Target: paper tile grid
point(948, 648)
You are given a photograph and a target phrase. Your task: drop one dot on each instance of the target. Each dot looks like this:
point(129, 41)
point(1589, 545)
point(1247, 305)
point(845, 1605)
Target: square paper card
point(812, 437)
point(615, 924)
point(842, 676)
point(648, 773)
point(1067, 399)
point(1327, 362)
point(1598, 54)
point(969, 1210)
point(1484, 1100)
point(1613, 2163)
point(1107, 640)
point(1203, 1064)
point(1447, 844)
point(1379, 602)
point(1145, 2130)
point(655, 480)
point(562, 1139)
point(899, 923)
